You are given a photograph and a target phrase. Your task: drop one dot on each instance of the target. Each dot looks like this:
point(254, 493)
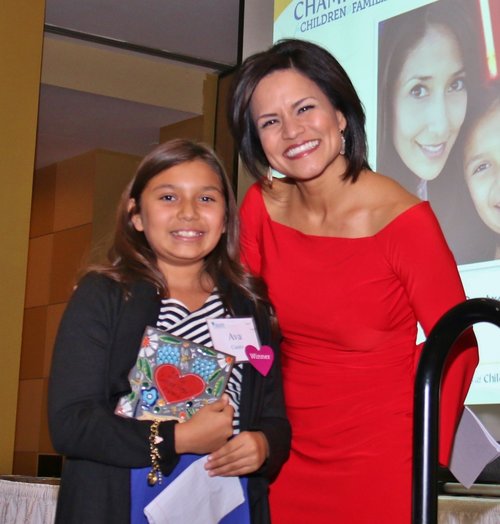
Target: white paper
point(195, 498)
point(233, 335)
point(474, 448)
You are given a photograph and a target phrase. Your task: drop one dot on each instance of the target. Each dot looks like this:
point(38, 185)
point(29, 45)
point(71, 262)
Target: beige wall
point(257, 36)
point(73, 212)
point(107, 72)
point(21, 33)
point(21, 37)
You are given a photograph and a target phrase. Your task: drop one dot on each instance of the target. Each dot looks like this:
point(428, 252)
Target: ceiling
point(78, 114)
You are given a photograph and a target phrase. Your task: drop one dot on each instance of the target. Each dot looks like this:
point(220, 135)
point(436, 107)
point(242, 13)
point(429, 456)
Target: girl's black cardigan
point(96, 346)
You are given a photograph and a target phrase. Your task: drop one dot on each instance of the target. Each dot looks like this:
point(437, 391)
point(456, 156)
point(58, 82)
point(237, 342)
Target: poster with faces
point(428, 74)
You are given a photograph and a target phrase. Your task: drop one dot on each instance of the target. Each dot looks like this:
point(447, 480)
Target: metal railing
point(426, 404)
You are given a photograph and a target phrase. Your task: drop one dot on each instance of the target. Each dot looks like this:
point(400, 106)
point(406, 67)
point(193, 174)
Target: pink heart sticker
point(261, 359)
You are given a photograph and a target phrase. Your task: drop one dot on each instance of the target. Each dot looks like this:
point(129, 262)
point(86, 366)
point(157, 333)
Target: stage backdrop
point(426, 72)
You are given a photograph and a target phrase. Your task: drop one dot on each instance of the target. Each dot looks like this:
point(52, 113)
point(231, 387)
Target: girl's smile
point(182, 214)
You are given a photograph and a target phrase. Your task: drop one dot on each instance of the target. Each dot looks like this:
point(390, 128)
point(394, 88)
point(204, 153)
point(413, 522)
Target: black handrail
point(426, 403)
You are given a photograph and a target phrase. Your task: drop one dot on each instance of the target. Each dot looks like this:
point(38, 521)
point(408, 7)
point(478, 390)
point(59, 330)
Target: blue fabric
point(142, 493)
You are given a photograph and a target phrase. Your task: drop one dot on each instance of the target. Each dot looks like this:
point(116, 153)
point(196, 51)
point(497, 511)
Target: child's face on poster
point(430, 103)
point(482, 168)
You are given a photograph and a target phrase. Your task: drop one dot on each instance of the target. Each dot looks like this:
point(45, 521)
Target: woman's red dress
point(348, 309)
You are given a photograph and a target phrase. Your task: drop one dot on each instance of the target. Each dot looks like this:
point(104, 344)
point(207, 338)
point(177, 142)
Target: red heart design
point(174, 387)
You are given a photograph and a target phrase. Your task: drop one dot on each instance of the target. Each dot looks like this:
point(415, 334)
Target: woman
point(423, 89)
point(429, 69)
point(172, 265)
point(482, 164)
point(345, 254)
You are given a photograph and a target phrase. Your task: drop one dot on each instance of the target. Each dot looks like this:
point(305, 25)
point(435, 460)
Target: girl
point(173, 263)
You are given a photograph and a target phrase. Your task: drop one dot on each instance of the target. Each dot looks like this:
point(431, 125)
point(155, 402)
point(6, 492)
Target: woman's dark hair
point(398, 36)
point(324, 70)
point(131, 257)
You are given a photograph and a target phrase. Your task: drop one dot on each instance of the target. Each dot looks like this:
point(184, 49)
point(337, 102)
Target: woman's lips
point(433, 150)
point(298, 151)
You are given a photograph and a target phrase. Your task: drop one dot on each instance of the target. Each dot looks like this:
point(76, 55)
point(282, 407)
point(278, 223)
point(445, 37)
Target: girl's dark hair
point(131, 257)
point(324, 70)
point(482, 106)
point(398, 36)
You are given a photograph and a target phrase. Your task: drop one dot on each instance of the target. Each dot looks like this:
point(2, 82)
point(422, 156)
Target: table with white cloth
point(33, 500)
point(28, 500)
point(453, 509)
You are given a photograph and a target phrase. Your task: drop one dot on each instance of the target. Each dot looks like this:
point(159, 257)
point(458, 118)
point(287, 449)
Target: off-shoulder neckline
point(389, 225)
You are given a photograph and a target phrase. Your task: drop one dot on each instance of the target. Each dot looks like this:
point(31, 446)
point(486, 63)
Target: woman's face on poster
point(430, 103)
point(482, 168)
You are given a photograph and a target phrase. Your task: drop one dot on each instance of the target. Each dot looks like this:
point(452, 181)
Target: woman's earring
point(342, 142)
point(269, 176)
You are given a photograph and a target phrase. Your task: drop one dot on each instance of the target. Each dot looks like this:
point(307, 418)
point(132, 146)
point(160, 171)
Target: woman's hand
point(243, 454)
point(207, 430)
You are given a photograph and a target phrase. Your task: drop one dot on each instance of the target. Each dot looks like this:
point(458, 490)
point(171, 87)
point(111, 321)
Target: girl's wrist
point(180, 438)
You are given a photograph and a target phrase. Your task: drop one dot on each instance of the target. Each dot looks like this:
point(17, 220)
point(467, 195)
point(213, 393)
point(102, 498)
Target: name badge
point(233, 335)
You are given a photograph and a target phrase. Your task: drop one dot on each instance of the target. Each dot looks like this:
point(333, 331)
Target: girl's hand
point(243, 454)
point(207, 430)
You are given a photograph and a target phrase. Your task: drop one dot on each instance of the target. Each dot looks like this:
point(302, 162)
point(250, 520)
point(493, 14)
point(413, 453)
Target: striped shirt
point(176, 318)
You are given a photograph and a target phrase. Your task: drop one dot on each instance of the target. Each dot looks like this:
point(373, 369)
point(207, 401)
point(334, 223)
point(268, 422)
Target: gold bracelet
point(154, 475)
